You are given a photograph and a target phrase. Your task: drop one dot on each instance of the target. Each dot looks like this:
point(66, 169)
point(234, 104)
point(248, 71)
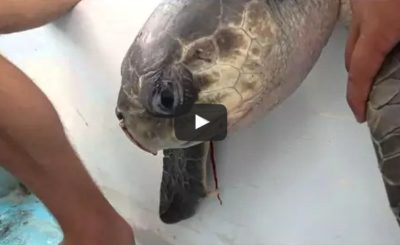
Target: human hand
point(375, 31)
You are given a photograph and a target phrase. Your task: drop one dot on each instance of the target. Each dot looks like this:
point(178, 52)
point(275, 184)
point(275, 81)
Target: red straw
point(214, 167)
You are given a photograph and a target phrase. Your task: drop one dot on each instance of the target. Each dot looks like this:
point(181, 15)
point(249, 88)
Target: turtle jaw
point(133, 140)
point(147, 132)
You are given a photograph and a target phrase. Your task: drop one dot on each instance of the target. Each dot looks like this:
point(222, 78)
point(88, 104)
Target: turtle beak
point(121, 119)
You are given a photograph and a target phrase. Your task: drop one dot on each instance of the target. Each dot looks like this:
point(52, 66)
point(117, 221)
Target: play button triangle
point(200, 122)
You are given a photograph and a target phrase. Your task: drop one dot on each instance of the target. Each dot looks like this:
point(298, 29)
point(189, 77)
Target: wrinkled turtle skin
point(249, 55)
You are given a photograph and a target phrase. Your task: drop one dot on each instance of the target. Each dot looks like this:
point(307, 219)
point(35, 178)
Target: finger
point(351, 42)
point(367, 58)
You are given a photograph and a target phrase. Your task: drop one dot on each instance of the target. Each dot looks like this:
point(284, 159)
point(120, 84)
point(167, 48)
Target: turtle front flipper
point(383, 119)
point(183, 182)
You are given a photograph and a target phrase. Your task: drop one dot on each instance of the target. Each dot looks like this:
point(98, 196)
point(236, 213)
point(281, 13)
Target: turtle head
point(157, 84)
point(148, 103)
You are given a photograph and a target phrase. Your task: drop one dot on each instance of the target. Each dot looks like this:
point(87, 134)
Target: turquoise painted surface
point(7, 182)
point(24, 220)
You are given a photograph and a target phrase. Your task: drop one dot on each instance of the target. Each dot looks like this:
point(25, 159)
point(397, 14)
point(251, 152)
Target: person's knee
point(72, 3)
point(4, 29)
point(30, 14)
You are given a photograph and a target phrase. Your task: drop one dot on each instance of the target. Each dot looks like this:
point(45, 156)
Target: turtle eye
point(168, 93)
point(165, 98)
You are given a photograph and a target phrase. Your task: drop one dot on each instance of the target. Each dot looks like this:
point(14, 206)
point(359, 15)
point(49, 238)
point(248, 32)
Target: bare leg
point(20, 15)
point(35, 149)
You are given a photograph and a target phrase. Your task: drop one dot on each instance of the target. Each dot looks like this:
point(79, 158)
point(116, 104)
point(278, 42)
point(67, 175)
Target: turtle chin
point(169, 92)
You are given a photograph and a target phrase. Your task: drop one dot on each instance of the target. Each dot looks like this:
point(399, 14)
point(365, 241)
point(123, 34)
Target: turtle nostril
point(167, 99)
point(119, 114)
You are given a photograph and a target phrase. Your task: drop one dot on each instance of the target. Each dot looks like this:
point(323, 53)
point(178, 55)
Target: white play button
point(200, 122)
point(205, 122)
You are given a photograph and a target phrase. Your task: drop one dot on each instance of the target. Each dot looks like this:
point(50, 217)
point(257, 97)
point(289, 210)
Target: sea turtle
point(248, 55)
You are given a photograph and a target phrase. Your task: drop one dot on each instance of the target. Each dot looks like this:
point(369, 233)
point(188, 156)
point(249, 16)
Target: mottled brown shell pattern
point(229, 63)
